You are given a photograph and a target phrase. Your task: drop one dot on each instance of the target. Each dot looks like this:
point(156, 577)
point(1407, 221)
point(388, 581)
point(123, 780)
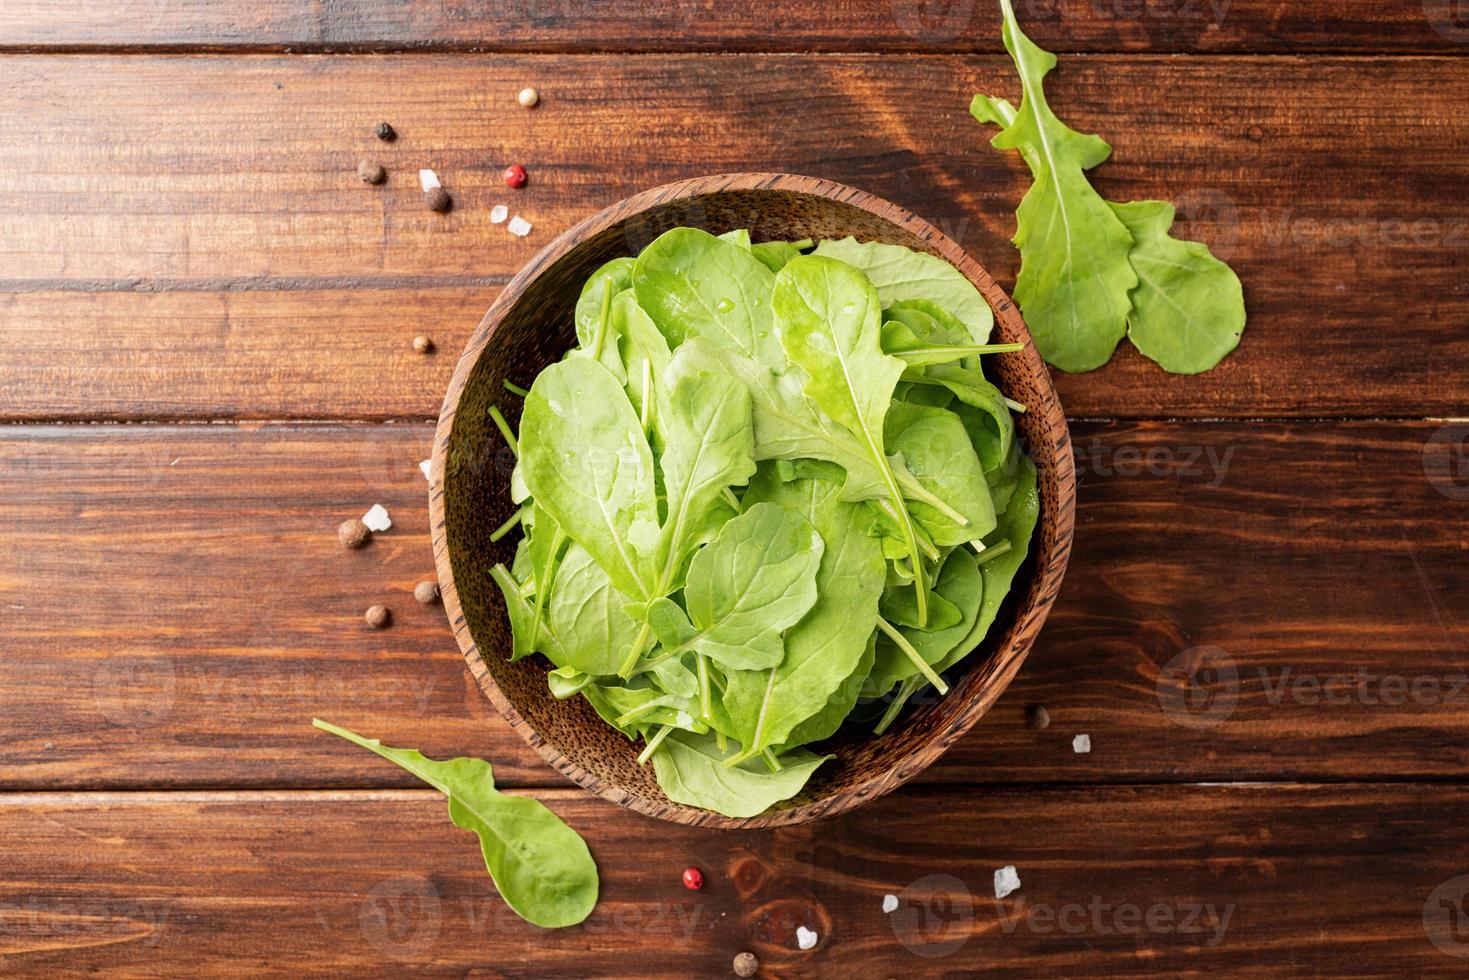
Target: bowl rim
point(1046, 577)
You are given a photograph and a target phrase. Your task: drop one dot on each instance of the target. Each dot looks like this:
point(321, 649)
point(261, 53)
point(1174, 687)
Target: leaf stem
point(505, 430)
point(653, 744)
point(905, 691)
point(508, 526)
point(770, 760)
point(915, 490)
point(902, 643)
point(602, 320)
point(376, 746)
point(647, 406)
point(983, 554)
point(1015, 406)
point(514, 388)
point(732, 500)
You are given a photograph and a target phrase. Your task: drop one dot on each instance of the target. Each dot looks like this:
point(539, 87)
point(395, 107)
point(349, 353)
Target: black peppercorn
point(385, 132)
point(438, 200)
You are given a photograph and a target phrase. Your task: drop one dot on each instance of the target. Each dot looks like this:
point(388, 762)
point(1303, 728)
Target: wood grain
point(1165, 26)
point(208, 210)
point(1235, 881)
point(174, 608)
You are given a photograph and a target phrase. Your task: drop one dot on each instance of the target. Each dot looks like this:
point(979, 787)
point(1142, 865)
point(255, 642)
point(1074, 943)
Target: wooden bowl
point(530, 326)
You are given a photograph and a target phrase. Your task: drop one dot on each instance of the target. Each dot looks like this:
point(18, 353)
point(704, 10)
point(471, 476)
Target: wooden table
point(189, 257)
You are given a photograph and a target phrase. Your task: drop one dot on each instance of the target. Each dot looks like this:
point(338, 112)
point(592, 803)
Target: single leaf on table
point(540, 866)
point(755, 579)
point(900, 274)
point(762, 708)
point(586, 614)
point(830, 326)
point(1188, 308)
point(1074, 274)
point(691, 771)
point(587, 464)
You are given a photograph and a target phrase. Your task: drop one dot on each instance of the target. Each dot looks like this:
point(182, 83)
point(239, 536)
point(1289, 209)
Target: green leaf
point(595, 331)
point(764, 707)
point(528, 634)
point(937, 450)
point(1188, 308)
point(900, 274)
point(960, 582)
point(775, 254)
point(709, 445)
point(587, 464)
point(693, 284)
point(829, 322)
point(1074, 275)
point(586, 615)
point(838, 704)
point(755, 579)
point(541, 866)
point(691, 771)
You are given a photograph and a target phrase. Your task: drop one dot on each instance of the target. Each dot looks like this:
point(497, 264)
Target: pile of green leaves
point(1092, 270)
point(765, 484)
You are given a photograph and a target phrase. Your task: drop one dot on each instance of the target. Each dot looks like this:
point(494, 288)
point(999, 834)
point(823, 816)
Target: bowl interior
point(530, 326)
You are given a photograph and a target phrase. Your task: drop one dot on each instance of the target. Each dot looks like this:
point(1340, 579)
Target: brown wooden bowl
point(530, 326)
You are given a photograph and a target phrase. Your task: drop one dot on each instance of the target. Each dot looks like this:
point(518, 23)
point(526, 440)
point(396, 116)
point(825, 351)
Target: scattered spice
point(438, 200)
point(426, 592)
point(377, 518)
point(424, 467)
point(528, 97)
point(1081, 744)
point(421, 343)
point(1007, 880)
point(515, 175)
point(428, 180)
point(385, 132)
point(519, 227)
point(371, 173)
point(1037, 717)
point(693, 878)
point(890, 904)
point(805, 938)
point(353, 533)
point(498, 214)
point(378, 617)
point(746, 964)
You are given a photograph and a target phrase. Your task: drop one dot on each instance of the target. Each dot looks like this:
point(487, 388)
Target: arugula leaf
point(540, 866)
point(587, 464)
point(830, 326)
point(937, 450)
point(1188, 308)
point(691, 771)
point(586, 616)
point(900, 274)
point(764, 707)
point(755, 579)
point(1074, 275)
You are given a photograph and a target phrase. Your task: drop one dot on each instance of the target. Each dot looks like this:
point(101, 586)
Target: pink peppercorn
point(515, 175)
point(693, 879)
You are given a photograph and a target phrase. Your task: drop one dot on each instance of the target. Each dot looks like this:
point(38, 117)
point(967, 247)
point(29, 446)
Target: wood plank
point(174, 608)
point(1233, 881)
point(683, 25)
point(238, 228)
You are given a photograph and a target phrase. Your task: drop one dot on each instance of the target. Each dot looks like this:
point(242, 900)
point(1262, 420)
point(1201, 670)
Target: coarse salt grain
point(805, 938)
point(1006, 881)
point(428, 180)
point(498, 213)
point(424, 468)
point(377, 519)
point(890, 903)
point(519, 226)
point(1081, 744)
